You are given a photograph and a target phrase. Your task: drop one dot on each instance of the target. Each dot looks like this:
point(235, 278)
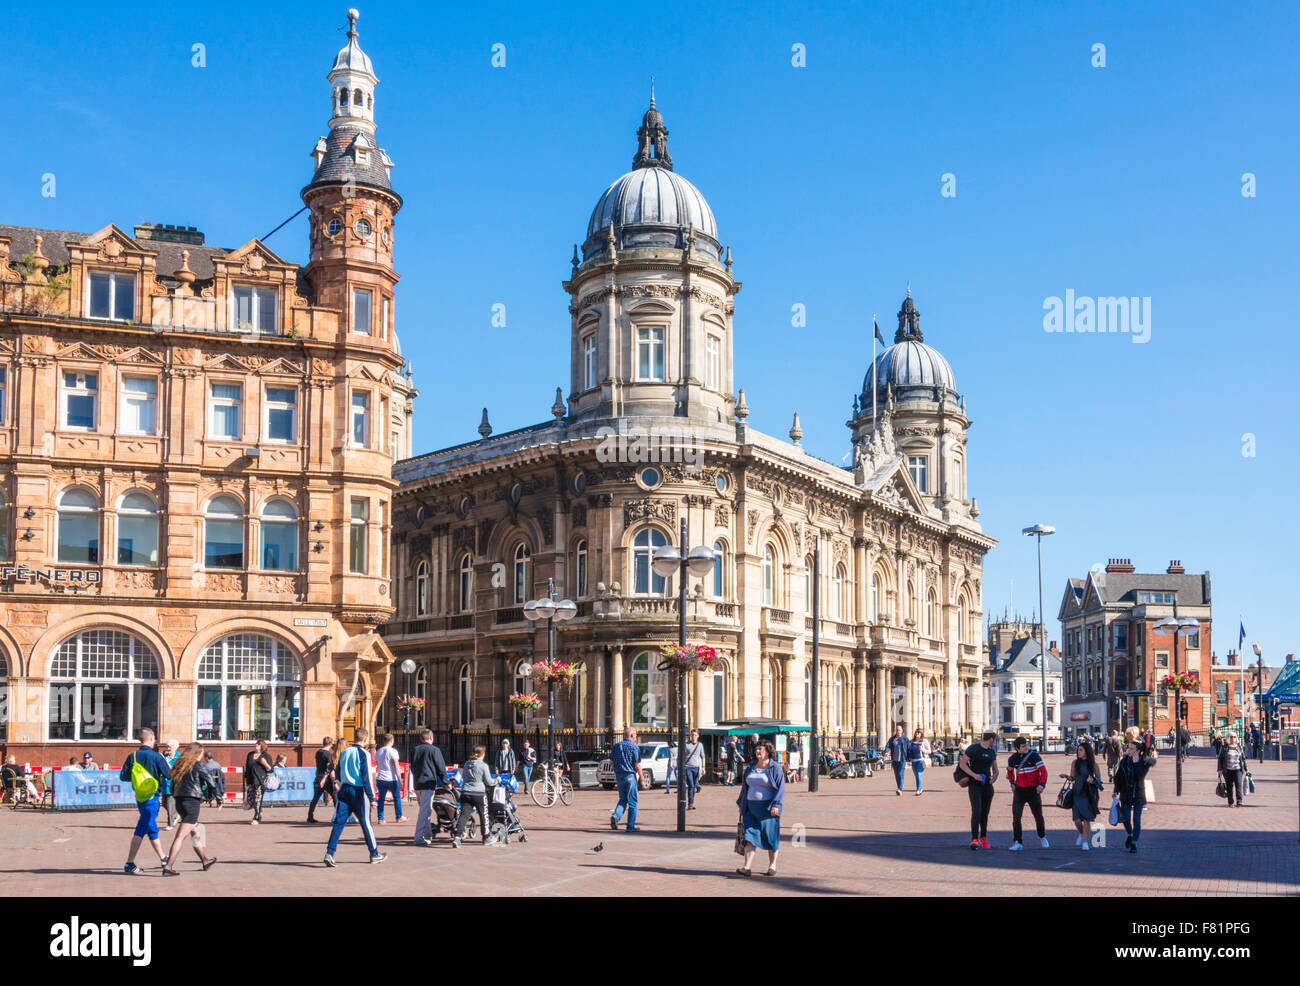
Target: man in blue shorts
point(147, 824)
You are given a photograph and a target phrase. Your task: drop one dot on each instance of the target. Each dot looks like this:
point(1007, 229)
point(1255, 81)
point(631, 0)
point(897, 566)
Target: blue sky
point(825, 180)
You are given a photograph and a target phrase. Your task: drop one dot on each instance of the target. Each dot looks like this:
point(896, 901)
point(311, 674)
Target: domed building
point(651, 442)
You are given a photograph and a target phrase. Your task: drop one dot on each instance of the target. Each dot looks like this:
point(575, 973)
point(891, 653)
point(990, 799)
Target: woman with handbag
point(187, 783)
point(918, 751)
point(1130, 786)
point(256, 766)
point(1232, 771)
point(762, 792)
point(1086, 786)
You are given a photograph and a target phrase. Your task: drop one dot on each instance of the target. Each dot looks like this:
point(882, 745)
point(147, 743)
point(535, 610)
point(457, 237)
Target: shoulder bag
point(1221, 790)
point(1065, 796)
point(960, 776)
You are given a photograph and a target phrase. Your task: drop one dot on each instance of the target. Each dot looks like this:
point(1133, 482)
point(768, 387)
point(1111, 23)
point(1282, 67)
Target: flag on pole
point(876, 328)
point(1241, 639)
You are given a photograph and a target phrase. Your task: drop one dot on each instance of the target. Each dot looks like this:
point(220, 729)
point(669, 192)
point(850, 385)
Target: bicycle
point(545, 791)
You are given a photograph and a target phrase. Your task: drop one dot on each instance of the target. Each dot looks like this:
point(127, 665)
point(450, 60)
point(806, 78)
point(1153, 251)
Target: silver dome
point(652, 197)
point(913, 369)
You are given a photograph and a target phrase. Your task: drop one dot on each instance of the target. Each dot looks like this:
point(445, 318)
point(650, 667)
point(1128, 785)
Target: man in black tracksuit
point(1028, 775)
point(980, 763)
point(324, 764)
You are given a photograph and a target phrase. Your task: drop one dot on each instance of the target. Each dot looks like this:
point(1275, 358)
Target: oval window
point(334, 226)
point(363, 227)
point(579, 482)
point(650, 477)
point(722, 482)
point(462, 508)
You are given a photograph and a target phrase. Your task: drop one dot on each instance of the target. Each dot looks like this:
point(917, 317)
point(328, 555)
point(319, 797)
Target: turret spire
point(652, 139)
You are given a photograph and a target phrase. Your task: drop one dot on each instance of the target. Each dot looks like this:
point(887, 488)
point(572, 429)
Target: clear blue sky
point(825, 180)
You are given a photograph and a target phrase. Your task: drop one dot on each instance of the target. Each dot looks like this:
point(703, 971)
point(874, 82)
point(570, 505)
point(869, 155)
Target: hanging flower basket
point(525, 701)
point(1187, 681)
point(406, 702)
point(691, 657)
point(558, 671)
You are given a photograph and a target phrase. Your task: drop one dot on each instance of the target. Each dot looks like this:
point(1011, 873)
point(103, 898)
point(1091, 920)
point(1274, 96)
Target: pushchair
point(446, 806)
point(502, 813)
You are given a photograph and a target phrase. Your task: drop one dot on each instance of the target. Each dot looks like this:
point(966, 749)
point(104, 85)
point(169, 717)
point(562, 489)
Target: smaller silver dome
point(913, 369)
point(652, 197)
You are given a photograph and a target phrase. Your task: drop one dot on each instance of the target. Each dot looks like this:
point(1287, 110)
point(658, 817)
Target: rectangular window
point(3, 381)
point(383, 323)
point(650, 354)
point(357, 529)
point(1029, 713)
point(713, 362)
point(1236, 693)
point(80, 393)
point(139, 405)
point(1121, 679)
point(1051, 688)
point(1121, 636)
point(360, 419)
point(1194, 640)
point(112, 296)
point(589, 361)
point(1029, 688)
point(361, 303)
point(1221, 692)
point(1051, 713)
point(1008, 688)
point(1162, 697)
point(227, 402)
point(1162, 658)
point(1007, 712)
point(255, 310)
point(393, 445)
point(281, 410)
point(918, 466)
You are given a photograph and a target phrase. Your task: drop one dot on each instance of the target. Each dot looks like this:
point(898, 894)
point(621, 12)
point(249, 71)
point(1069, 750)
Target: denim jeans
point(1132, 817)
point(627, 790)
point(351, 800)
point(424, 819)
point(692, 783)
point(387, 787)
point(528, 774)
point(918, 769)
point(899, 769)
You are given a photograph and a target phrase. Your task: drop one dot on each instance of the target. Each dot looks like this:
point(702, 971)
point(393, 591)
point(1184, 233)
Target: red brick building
point(1231, 685)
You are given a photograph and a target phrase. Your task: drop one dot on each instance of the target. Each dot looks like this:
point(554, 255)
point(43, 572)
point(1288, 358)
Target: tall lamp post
point(548, 609)
point(668, 561)
point(408, 667)
point(1259, 653)
point(1178, 628)
point(1041, 531)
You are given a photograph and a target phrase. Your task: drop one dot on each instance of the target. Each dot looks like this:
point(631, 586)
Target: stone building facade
point(653, 435)
point(196, 449)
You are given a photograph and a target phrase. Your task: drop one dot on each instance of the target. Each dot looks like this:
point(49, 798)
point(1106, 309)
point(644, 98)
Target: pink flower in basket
point(525, 701)
point(1187, 681)
point(691, 657)
point(559, 671)
point(407, 702)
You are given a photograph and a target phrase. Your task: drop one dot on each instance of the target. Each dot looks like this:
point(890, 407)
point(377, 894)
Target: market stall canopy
point(1286, 686)
point(747, 727)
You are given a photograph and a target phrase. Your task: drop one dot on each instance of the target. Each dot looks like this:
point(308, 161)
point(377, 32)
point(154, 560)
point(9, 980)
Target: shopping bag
point(740, 839)
point(1065, 796)
point(1250, 782)
point(1149, 790)
point(1114, 810)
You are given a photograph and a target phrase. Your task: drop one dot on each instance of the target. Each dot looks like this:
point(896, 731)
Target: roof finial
point(652, 91)
point(353, 16)
point(909, 289)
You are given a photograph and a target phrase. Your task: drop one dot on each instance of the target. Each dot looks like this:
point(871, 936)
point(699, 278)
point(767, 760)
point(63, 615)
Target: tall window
point(463, 704)
point(3, 392)
point(522, 554)
point(580, 568)
point(589, 361)
point(958, 479)
point(581, 694)
point(713, 362)
point(79, 400)
point(103, 686)
point(808, 585)
point(837, 593)
point(719, 566)
point(645, 579)
point(223, 533)
point(137, 530)
point(78, 527)
point(112, 296)
point(918, 466)
point(931, 613)
point(840, 705)
point(769, 576)
point(649, 693)
point(421, 692)
point(5, 544)
point(422, 588)
point(227, 403)
point(281, 412)
point(807, 692)
point(719, 696)
point(961, 621)
point(139, 406)
point(254, 309)
point(874, 600)
point(465, 584)
point(279, 531)
point(522, 682)
point(249, 688)
point(650, 353)
point(765, 692)
point(361, 305)
point(358, 524)
point(360, 418)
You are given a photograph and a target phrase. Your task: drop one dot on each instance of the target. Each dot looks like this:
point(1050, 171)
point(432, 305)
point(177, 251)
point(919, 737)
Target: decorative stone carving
point(136, 581)
point(649, 509)
point(753, 526)
point(722, 515)
point(284, 585)
point(420, 544)
point(223, 582)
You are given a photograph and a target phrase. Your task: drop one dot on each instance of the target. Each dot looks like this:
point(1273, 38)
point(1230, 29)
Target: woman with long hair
point(186, 778)
point(1086, 785)
point(256, 767)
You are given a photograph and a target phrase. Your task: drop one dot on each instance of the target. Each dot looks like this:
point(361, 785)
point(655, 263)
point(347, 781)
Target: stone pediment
point(893, 486)
point(254, 259)
point(114, 246)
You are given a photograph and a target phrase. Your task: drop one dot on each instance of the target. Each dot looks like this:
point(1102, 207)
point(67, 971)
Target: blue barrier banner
point(295, 786)
point(91, 789)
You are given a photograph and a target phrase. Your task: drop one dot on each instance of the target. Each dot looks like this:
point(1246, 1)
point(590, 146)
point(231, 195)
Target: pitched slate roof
point(1022, 658)
point(339, 163)
point(54, 247)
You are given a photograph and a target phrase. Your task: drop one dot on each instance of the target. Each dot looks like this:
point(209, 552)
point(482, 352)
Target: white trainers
point(1084, 846)
point(1078, 840)
point(1015, 847)
point(1046, 844)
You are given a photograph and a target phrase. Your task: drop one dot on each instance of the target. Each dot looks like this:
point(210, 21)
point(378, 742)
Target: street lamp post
point(549, 610)
point(1178, 628)
point(1040, 531)
point(1259, 653)
point(408, 667)
point(668, 561)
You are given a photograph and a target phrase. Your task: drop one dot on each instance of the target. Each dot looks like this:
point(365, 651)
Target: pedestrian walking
point(897, 747)
point(1232, 771)
point(355, 789)
point(1085, 783)
point(321, 784)
point(256, 766)
point(979, 762)
point(1028, 775)
point(694, 761)
point(1114, 750)
point(917, 752)
point(506, 761)
point(625, 758)
point(527, 761)
point(1130, 786)
point(212, 780)
point(187, 785)
point(154, 767)
point(167, 749)
point(1216, 741)
point(388, 776)
point(762, 793)
point(428, 773)
point(475, 779)
point(732, 756)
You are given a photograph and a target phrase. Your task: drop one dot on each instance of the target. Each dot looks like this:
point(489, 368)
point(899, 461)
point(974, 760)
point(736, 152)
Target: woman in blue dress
point(762, 791)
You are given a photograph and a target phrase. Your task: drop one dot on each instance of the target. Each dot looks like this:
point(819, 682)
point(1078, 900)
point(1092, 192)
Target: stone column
point(789, 689)
point(859, 697)
point(702, 689)
point(882, 702)
point(599, 682)
point(616, 714)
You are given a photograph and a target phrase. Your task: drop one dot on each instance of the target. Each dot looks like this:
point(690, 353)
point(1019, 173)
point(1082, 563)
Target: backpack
point(143, 783)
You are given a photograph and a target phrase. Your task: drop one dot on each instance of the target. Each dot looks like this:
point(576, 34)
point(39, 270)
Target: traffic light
point(1182, 708)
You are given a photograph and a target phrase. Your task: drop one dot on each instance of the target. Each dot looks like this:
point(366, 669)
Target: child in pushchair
point(502, 813)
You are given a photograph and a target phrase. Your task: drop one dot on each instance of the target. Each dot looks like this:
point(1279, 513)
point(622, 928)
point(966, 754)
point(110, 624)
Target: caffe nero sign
point(66, 576)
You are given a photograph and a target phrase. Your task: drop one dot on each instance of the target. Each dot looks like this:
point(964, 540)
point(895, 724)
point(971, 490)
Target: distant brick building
point(1232, 686)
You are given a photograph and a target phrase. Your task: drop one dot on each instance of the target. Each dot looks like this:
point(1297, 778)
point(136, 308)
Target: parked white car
point(655, 758)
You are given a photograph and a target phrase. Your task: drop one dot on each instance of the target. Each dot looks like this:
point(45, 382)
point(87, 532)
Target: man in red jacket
point(1028, 776)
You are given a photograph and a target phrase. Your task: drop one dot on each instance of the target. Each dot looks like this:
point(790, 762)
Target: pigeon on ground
point(598, 848)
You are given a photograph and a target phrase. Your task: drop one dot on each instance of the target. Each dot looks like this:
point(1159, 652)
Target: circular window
point(363, 227)
point(419, 516)
point(579, 481)
point(722, 482)
point(384, 236)
point(334, 226)
point(462, 508)
point(650, 477)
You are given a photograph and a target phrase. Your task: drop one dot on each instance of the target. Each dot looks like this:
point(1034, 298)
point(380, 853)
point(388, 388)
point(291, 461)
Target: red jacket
point(1033, 774)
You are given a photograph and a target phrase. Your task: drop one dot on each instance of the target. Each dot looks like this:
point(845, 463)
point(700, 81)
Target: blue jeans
point(1132, 818)
point(393, 787)
point(899, 769)
point(528, 774)
point(918, 769)
point(692, 783)
point(351, 800)
point(627, 788)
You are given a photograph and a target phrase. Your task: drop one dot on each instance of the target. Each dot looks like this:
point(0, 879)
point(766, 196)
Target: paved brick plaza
point(860, 838)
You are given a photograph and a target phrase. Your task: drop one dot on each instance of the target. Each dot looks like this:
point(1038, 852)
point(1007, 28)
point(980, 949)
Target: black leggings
point(1026, 796)
point(320, 792)
point(1234, 780)
point(472, 801)
point(981, 800)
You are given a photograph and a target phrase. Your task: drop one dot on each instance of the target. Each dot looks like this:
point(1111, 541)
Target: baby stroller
point(502, 814)
point(446, 805)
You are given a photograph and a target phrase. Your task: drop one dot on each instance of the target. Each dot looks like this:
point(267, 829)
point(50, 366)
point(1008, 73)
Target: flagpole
point(1241, 639)
point(874, 387)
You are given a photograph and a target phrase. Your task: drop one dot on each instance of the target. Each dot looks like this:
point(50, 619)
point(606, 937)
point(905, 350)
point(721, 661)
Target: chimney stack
point(1121, 566)
point(1175, 568)
point(1233, 659)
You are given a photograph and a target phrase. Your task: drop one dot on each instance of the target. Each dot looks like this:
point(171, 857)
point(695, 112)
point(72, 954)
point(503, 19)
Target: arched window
point(249, 689)
point(644, 578)
point(807, 693)
point(649, 693)
point(580, 569)
point(422, 588)
point(958, 478)
point(279, 533)
point(103, 686)
point(719, 566)
point(875, 599)
point(932, 707)
point(522, 554)
point(581, 692)
point(223, 533)
point(961, 621)
point(720, 695)
point(78, 527)
point(465, 584)
point(765, 695)
point(808, 585)
point(137, 530)
point(931, 613)
point(769, 576)
point(463, 697)
point(343, 97)
point(523, 685)
point(837, 593)
point(911, 603)
point(421, 691)
point(6, 544)
point(356, 98)
point(838, 700)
